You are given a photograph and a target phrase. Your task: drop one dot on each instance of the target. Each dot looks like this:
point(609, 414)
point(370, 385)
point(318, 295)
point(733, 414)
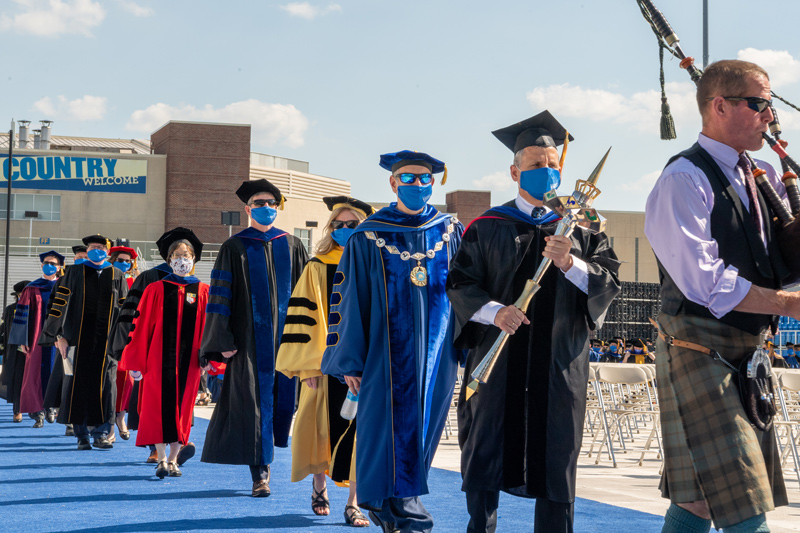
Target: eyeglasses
point(408, 178)
point(756, 103)
point(339, 224)
point(52, 263)
point(96, 246)
point(261, 203)
point(184, 256)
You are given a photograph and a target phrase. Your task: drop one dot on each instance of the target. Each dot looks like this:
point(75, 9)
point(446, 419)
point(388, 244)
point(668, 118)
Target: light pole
point(705, 34)
point(9, 174)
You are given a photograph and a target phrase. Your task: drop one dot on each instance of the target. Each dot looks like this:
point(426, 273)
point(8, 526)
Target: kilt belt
point(711, 452)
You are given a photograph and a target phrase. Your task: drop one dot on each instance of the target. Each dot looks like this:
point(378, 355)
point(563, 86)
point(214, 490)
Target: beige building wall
point(626, 231)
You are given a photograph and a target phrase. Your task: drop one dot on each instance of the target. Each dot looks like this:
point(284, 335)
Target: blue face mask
point(612, 348)
point(341, 235)
point(264, 215)
point(790, 351)
point(414, 197)
point(122, 265)
point(97, 255)
point(49, 269)
point(538, 181)
point(80, 260)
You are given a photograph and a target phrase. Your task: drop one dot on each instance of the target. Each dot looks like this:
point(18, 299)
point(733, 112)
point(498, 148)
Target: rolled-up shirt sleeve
point(678, 226)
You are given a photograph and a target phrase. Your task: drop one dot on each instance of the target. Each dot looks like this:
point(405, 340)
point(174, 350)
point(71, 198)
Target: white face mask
point(181, 265)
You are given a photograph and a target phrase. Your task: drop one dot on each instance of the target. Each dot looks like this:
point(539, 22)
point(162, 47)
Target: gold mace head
point(598, 169)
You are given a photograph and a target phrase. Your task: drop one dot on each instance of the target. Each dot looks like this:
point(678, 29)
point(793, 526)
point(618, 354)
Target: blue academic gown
point(399, 338)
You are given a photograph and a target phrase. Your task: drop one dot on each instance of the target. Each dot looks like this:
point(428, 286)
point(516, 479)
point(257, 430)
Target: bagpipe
point(788, 227)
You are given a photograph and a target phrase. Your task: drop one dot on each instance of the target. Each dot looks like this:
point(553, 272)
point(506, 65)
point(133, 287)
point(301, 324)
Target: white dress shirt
point(578, 274)
point(678, 226)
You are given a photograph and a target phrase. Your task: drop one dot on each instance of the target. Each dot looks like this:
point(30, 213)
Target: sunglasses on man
point(756, 103)
point(261, 203)
point(408, 178)
point(339, 224)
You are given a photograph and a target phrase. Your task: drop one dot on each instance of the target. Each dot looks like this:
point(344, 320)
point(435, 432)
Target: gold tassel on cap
point(564, 152)
point(444, 176)
point(280, 205)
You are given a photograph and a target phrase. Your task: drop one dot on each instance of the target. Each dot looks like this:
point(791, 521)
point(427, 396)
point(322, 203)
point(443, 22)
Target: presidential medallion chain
point(419, 274)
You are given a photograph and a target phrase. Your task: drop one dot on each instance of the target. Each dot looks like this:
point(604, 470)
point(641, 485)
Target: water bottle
point(349, 406)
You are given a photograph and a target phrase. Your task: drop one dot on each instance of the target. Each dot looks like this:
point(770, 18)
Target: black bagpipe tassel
point(667, 122)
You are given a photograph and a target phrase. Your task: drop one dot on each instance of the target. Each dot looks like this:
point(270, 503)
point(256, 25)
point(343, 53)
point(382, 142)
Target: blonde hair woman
point(322, 441)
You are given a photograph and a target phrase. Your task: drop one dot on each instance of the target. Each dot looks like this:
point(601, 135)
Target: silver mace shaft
point(585, 193)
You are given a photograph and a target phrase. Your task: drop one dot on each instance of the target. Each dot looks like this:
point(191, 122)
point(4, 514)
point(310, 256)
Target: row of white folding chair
point(640, 407)
point(787, 424)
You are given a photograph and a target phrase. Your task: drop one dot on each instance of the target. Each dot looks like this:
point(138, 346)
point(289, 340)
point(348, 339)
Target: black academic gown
point(521, 433)
point(84, 307)
point(247, 422)
point(13, 361)
point(122, 328)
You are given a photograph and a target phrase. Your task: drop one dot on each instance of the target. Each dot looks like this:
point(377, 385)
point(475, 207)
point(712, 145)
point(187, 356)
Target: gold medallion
point(419, 276)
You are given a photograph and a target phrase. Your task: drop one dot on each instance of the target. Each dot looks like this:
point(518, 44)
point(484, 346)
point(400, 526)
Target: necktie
point(752, 194)
point(538, 212)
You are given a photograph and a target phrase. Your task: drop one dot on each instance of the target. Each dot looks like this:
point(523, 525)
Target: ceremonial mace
point(576, 210)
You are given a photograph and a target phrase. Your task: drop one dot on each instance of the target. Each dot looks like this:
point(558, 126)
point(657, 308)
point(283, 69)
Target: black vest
point(739, 245)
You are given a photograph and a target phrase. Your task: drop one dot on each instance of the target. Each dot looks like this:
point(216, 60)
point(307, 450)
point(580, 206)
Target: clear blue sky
point(337, 83)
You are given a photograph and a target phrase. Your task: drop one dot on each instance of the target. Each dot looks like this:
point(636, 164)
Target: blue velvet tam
point(395, 160)
point(54, 254)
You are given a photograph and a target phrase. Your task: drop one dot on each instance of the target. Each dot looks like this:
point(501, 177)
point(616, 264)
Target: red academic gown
point(124, 380)
point(164, 344)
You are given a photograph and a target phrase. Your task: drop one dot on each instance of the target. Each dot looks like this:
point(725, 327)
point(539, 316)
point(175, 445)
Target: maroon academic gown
point(28, 321)
point(163, 345)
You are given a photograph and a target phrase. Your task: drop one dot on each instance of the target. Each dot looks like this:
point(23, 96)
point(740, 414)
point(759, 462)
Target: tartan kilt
point(711, 451)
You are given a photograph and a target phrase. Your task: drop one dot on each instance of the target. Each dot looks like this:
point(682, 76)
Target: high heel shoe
point(162, 470)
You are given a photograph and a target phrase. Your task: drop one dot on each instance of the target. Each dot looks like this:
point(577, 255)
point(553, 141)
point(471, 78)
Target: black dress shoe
point(162, 470)
point(186, 453)
point(102, 443)
point(69, 432)
point(83, 444)
point(174, 471)
point(51, 415)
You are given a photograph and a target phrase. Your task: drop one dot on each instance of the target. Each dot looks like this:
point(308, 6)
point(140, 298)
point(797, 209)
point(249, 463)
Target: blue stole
point(178, 280)
point(508, 212)
point(260, 296)
point(415, 349)
point(164, 267)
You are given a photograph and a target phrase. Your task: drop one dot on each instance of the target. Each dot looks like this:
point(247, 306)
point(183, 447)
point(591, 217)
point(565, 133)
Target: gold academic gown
point(300, 355)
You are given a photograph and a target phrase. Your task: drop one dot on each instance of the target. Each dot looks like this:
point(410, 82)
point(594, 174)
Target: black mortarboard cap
point(335, 201)
point(251, 187)
point(166, 240)
point(55, 254)
point(78, 248)
point(540, 130)
point(99, 239)
point(18, 286)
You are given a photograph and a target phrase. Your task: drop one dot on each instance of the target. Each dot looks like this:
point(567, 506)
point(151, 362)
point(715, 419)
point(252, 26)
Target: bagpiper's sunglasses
point(756, 103)
point(339, 224)
point(408, 178)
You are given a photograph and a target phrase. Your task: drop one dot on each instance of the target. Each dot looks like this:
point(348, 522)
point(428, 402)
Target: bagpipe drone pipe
point(786, 219)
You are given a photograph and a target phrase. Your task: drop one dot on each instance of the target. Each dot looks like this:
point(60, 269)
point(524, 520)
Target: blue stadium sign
point(67, 173)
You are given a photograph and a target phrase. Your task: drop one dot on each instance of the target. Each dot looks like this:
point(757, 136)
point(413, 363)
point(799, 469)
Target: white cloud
point(641, 110)
point(497, 181)
point(135, 9)
point(643, 184)
point(307, 11)
point(87, 107)
point(782, 68)
point(271, 123)
point(52, 18)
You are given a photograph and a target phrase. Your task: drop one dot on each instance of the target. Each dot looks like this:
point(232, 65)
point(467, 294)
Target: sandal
point(351, 518)
point(204, 400)
point(319, 502)
point(162, 470)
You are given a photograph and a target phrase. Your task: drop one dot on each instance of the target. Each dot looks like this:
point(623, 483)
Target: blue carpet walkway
point(47, 485)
